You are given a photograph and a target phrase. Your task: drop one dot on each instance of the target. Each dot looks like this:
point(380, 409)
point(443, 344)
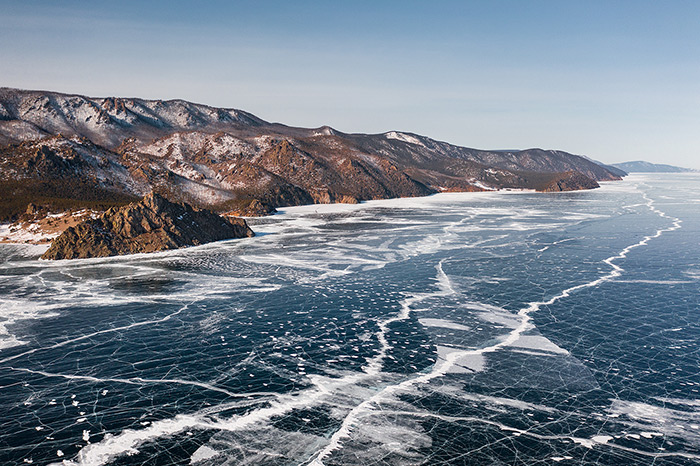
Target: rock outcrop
point(152, 224)
point(570, 181)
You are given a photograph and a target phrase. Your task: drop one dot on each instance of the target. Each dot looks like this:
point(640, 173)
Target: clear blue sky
point(614, 80)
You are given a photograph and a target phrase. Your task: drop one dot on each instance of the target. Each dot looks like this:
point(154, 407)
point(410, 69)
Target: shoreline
point(339, 206)
point(30, 233)
point(42, 231)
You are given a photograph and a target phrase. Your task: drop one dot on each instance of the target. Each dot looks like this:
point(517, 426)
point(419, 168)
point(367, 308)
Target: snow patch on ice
point(538, 343)
point(203, 453)
point(461, 362)
point(442, 324)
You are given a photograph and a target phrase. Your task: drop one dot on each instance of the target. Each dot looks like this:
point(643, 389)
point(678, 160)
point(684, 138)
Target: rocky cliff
point(153, 224)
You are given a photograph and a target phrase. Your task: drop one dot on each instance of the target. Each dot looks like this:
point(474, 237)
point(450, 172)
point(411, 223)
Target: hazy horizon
point(613, 82)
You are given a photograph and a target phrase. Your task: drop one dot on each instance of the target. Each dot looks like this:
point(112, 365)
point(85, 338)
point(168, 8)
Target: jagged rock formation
point(112, 151)
point(153, 224)
point(569, 181)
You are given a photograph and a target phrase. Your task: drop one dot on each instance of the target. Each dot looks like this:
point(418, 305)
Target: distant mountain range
point(648, 167)
point(66, 151)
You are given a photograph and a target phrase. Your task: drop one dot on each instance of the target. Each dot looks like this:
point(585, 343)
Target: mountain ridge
point(641, 166)
point(115, 150)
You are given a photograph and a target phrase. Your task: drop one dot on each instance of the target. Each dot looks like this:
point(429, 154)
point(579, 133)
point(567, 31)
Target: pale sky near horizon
point(612, 80)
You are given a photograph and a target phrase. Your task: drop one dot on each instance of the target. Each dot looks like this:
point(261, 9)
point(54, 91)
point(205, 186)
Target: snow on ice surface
point(203, 453)
point(539, 343)
point(443, 324)
point(389, 332)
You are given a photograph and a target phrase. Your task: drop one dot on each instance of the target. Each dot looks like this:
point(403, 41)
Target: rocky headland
point(569, 181)
point(152, 224)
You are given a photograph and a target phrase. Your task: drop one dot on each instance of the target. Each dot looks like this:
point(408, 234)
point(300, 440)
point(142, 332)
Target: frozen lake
point(476, 328)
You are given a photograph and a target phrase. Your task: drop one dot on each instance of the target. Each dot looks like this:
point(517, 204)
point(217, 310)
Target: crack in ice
point(451, 358)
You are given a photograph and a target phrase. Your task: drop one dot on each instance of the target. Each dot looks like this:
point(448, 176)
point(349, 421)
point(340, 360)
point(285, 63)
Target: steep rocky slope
point(153, 224)
point(62, 150)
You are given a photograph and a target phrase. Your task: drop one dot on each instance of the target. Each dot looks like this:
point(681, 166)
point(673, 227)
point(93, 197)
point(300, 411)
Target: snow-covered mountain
point(60, 150)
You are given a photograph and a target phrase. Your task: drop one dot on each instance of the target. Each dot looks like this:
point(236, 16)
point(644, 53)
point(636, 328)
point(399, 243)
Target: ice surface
point(475, 328)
